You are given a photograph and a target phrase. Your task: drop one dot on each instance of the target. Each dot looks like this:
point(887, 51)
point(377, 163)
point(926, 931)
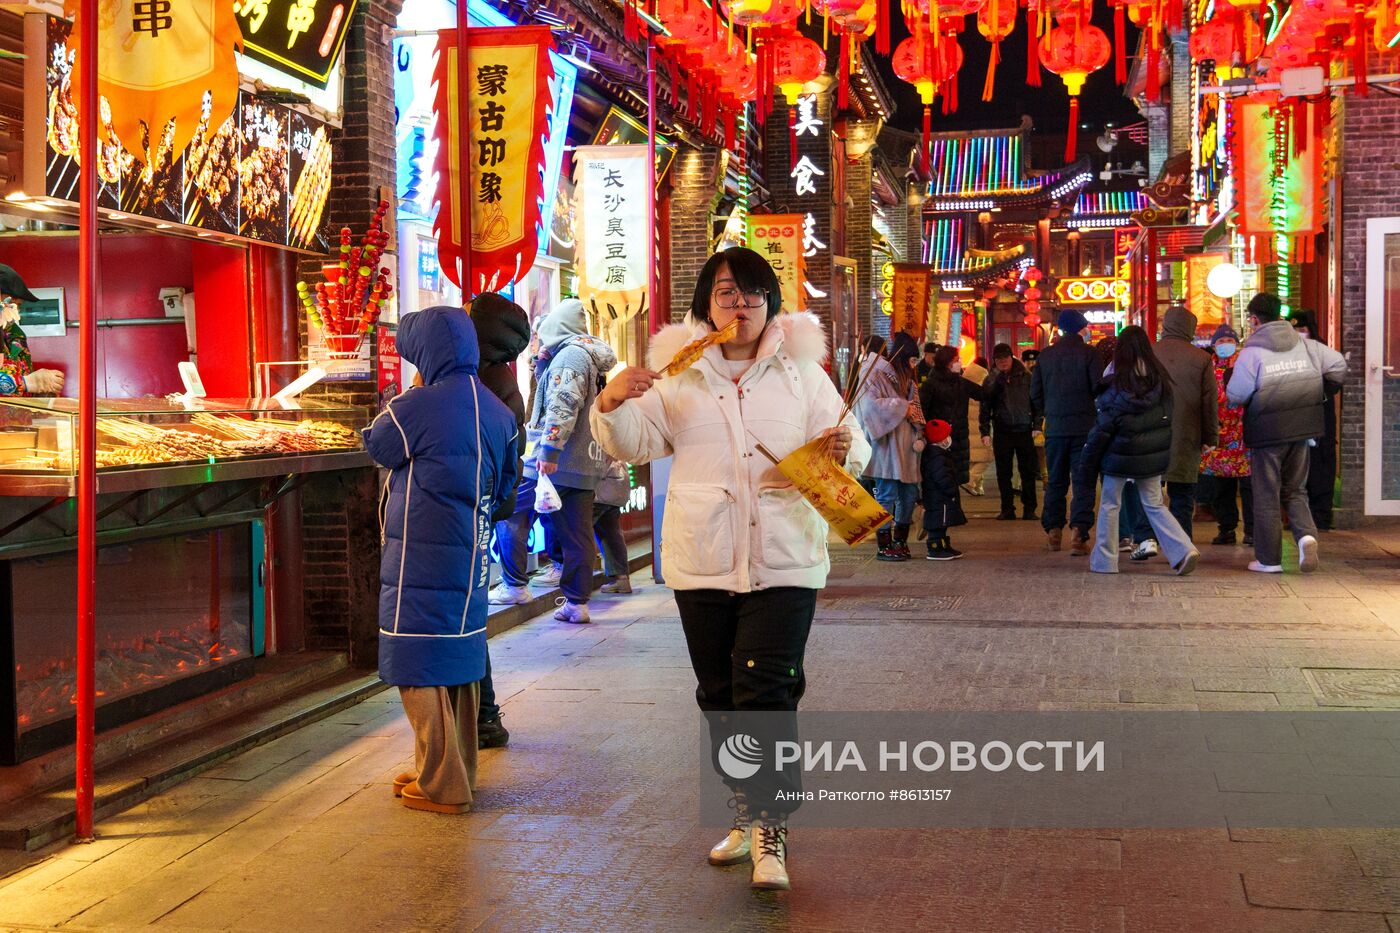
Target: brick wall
point(339, 510)
point(858, 236)
point(1370, 187)
point(695, 191)
point(1181, 100)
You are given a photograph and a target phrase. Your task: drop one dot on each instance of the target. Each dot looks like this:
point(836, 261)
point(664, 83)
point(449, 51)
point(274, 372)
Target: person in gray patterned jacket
point(1280, 380)
point(568, 371)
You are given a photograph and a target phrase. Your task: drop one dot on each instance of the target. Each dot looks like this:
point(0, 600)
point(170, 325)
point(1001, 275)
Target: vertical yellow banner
point(778, 238)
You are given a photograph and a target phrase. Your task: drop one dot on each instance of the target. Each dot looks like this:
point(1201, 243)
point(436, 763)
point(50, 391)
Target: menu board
point(264, 174)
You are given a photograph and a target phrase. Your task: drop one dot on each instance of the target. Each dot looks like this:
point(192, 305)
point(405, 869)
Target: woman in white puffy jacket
point(743, 551)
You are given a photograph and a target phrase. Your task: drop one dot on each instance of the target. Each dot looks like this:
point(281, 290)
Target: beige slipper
point(402, 781)
point(413, 799)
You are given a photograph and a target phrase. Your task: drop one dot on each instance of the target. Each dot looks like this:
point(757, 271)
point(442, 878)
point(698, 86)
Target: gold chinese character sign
point(155, 61)
point(505, 114)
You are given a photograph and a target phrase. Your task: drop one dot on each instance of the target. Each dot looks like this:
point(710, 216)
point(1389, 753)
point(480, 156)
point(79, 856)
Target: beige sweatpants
point(444, 732)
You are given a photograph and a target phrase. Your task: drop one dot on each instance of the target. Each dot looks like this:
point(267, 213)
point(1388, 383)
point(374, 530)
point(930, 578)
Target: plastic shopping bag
point(546, 496)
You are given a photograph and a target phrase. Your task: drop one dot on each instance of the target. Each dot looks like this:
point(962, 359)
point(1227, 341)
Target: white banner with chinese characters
point(613, 255)
point(778, 239)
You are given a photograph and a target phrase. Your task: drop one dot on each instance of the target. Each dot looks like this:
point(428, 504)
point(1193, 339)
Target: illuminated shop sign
point(301, 38)
point(1088, 291)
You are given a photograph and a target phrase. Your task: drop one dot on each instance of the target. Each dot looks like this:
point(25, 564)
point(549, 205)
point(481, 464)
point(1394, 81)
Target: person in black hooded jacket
point(944, 397)
point(503, 331)
point(1132, 440)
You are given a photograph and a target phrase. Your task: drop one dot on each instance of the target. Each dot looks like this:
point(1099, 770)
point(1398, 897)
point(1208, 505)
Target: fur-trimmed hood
point(798, 334)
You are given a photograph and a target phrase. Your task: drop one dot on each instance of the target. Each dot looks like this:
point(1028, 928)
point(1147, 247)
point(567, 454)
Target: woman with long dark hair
point(741, 548)
point(945, 396)
point(888, 410)
point(1132, 440)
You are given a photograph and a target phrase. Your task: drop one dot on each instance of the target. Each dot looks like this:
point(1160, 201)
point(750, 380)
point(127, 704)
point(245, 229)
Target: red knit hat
point(937, 431)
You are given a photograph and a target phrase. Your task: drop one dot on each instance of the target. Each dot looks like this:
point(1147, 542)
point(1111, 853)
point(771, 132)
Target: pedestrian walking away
point(503, 333)
point(1322, 453)
point(979, 455)
point(889, 414)
point(1063, 385)
point(609, 498)
point(1281, 380)
point(1195, 411)
point(1132, 440)
point(742, 549)
point(450, 450)
point(925, 364)
point(1004, 422)
point(1227, 463)
point(570, 366)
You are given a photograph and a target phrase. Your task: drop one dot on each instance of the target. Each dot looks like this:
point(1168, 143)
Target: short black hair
point(1265, 307)
point(751, 272)
point(930, 347)
point(873, 343)
point(1001, 351)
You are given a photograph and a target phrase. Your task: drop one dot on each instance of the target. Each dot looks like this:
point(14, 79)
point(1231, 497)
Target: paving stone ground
point(589, 820)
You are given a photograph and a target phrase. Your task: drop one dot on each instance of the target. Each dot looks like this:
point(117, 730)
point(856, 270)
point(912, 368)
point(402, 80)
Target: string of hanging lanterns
point(735, 52)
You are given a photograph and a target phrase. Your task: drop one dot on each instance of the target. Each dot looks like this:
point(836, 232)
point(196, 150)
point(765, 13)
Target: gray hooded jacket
point(1279, 379)
point(567, 383)
point(1195, 414)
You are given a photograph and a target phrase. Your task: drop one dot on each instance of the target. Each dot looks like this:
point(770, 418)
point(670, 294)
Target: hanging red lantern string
point(1074, 61)
point(1032, 44)
point(995, 21)
point(1120, 54)
point(913, 62)
point(795, 60)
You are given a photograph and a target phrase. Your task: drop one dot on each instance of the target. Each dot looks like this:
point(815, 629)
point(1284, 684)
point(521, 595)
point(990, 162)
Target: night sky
point(1101, 101)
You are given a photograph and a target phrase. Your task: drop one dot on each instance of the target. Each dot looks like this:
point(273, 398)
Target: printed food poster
point(262, 172)
point(211, 178)
point(311, 183)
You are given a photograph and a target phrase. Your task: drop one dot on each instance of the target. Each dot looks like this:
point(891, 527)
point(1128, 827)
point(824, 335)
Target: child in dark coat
point(942, 497)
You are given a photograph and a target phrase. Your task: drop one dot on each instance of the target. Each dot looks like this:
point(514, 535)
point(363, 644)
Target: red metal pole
point(464, 150)
point(656, 322)
point(87, 414)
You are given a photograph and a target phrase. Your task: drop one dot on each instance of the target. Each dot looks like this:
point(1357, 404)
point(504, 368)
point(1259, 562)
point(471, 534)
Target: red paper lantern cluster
point(1073, 51)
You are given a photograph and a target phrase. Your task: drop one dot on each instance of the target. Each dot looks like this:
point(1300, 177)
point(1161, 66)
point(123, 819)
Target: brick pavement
point(588, 820)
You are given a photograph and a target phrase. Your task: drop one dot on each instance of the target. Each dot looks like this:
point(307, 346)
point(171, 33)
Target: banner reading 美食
point(778, 239)
point(611, 252)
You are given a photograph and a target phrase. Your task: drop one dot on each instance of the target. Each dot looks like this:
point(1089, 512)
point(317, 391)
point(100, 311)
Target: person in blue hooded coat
point(449, 447)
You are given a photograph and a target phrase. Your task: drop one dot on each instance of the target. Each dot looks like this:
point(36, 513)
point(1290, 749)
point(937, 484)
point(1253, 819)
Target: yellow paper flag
point(833, 492)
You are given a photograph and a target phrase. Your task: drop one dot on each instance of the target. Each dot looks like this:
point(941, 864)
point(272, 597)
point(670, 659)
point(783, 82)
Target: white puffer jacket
point(733, 522)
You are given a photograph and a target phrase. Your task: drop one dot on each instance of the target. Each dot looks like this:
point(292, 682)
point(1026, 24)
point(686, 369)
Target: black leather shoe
point(1030, 516)
point(1225, 537)
point(491, 734)
point(1006, 515)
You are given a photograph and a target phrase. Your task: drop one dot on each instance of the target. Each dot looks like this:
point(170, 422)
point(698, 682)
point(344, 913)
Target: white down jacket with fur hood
point(732, 521)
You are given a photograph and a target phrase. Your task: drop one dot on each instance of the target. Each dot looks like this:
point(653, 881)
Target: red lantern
point(1073, 53)
point(1032, 293)
point(796, 60)
point(995, 22)
point(1231, 39)
point(757, 14)
point(1031, 320)
point(918, 61)
point(1033, 274)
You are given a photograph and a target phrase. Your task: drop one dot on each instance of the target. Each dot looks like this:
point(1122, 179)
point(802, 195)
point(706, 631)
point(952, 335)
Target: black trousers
point(1009, 445)
point(1322, 480)
point(1227, 510)
point(748, 650)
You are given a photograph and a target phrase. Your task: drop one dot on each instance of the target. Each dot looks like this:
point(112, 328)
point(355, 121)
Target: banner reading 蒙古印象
point(611, 195)
point(505, 114)
point(910, 299)
point(778, 239)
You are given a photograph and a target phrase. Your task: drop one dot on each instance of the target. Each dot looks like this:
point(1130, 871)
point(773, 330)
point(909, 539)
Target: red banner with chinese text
point(1278, 174)
point(506, 112)
point(910, 299)
point(778, 239)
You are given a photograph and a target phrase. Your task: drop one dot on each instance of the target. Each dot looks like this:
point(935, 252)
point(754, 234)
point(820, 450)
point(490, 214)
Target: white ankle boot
point(734, 847)
point(770, 856)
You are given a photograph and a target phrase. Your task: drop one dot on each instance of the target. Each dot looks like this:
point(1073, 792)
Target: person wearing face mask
point(17, 373)
point(1227, 463)
point(744, 553)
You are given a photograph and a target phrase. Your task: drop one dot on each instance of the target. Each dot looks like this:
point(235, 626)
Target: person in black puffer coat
point(940, 491)
point(944, 397)
point(503, 331)
point(1132, 440)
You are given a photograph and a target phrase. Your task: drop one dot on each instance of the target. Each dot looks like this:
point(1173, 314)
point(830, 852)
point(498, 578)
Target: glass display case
point(39, 435)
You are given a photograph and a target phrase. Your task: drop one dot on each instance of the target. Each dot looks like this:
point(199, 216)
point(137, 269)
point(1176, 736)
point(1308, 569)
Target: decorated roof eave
point(975, 277)
point(888, 184)
point(1023, 130)
point(901, 149)
point(1054, 186)
point(1093, 222)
